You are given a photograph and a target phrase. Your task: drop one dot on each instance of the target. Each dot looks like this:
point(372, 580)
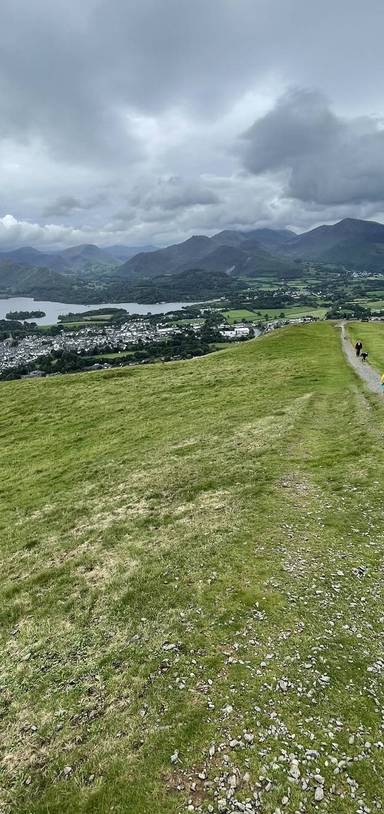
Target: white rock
point(319, 794)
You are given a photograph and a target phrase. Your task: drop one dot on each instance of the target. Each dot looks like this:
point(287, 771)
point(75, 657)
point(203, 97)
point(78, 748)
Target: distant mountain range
point(353, 243)
point(238, 253)
point(75, 259)
point(195, 269)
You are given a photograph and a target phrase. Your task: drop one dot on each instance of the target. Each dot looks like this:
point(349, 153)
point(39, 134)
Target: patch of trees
point(16, 328)
point(348, 310)
point(83, 315)
point(12, 315)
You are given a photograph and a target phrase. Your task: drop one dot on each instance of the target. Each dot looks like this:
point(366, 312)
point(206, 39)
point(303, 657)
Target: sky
point(146, 121)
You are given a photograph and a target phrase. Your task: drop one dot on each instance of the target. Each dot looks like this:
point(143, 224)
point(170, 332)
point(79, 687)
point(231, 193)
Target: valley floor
point(192, 586)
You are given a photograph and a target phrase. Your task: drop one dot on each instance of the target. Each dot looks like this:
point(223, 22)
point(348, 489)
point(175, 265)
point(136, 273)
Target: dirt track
point(363, 369)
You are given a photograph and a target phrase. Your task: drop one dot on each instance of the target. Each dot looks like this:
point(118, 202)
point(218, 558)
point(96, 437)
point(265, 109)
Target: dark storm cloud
point(118, 94)
point(328, 159)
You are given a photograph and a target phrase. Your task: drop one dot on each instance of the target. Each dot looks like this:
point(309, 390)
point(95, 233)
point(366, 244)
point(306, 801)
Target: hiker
point(364, 355)
point(358, 347)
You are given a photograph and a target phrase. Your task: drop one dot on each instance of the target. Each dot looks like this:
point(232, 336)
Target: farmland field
point(274, 313)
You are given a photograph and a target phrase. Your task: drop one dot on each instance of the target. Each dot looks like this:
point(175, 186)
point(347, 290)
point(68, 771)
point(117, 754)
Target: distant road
point(363, 369)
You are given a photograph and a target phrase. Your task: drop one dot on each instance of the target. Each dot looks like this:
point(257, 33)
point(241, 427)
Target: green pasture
point(192, 585)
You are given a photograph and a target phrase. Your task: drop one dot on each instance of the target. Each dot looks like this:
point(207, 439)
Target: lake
point(54, 309)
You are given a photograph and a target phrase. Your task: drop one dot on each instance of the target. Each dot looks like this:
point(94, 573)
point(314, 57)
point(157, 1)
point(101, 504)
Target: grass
point(235, 315)
point(220, 345)
point(98, 318)
point(191, 552)
point(302, 310)
point(78, 324)
point(119, 354)
point(373, 304)
point(273, 313)
point(371, 335)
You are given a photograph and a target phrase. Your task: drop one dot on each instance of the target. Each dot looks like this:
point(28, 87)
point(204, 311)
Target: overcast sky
point(146, 121)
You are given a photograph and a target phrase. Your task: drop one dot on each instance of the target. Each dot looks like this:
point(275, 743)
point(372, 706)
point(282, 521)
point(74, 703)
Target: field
point(78, 324)
point(235, 315)
point(377, 305)
point(274, 313)
point(119, 354)
point(192, 586)
point(98, 318)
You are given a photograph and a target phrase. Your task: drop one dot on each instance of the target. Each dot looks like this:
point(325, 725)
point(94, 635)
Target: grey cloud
point(174, 193)
point(73, 73)
point(326, 159)
point(113, 94)
point(63, 205)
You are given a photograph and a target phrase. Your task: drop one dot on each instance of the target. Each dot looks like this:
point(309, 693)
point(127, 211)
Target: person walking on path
point(382, 382)
point(358, 347)
point(364, 355)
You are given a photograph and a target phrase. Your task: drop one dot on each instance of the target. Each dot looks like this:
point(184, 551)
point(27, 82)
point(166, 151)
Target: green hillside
point(192, 586)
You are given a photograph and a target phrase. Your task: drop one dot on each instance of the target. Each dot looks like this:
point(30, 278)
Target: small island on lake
point(25, 315)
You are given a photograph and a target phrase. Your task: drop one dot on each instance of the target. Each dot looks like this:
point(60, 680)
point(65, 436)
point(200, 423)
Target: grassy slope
point(274, 313)
point(218, 508)
point(371, 335)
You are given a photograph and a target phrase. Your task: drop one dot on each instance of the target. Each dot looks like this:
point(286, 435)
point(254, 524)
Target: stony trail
point(363, 369)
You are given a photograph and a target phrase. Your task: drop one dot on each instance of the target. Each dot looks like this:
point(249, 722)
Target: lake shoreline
point(54, 309)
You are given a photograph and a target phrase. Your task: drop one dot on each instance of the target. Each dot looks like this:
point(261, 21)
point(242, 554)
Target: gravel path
point(363, 369)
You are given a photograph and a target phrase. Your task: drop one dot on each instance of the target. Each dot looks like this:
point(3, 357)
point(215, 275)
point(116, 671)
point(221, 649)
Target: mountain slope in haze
point(270, 239)
point(28, 256)
point(121, 253)
point(77, 258)
point(46, 284)
point(231, 251)
point(73, 260)
point(191, 284)
point(165, 261)
point(353, 242)
point(246, 260)
point(192, 586)
point(40, 283)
